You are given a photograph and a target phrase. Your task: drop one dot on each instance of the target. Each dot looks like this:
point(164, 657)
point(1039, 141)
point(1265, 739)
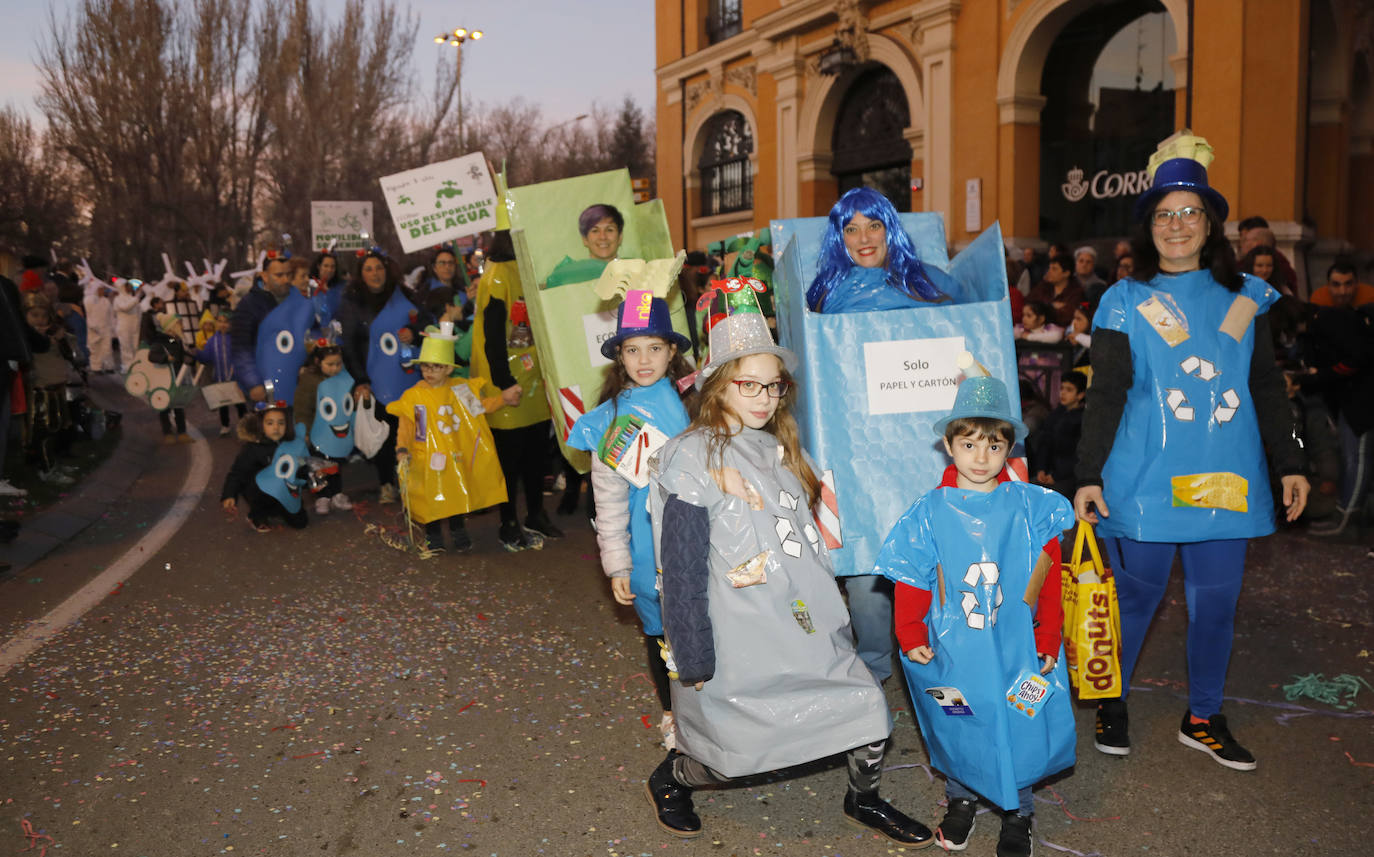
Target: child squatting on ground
point(444, 447)
point(639, 410)
point(767, 675)
point(989, 688)
point(265, 472)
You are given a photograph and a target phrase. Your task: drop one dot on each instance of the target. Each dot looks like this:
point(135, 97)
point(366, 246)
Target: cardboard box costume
point(785, 685)
point(570, 321)
point(872, 383)
point(976, 552)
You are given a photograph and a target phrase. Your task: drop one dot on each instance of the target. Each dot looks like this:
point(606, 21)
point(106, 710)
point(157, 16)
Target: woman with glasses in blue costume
point(867, 261)
point(1185, 399)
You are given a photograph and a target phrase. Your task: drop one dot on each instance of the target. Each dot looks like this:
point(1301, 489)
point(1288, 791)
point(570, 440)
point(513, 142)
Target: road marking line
point(17, 650)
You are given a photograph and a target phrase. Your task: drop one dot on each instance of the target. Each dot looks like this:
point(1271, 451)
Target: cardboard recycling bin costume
point(871, 384)
point(570, 322)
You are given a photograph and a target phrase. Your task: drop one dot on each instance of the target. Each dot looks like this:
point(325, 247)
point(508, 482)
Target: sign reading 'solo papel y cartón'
point(441, 201)
point(909, 376)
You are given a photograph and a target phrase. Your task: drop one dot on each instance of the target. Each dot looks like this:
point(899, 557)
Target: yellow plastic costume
point(501, 281)
point(453, 463)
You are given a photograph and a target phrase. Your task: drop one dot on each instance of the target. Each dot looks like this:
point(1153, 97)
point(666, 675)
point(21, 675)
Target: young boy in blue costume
point(992, 700)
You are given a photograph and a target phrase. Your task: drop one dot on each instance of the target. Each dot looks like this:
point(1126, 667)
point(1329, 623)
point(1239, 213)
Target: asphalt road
point(320, 693)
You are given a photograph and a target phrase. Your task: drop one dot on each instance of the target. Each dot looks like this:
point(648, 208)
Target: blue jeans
point(1212, 575)
point(955, 790)
point(870, 614)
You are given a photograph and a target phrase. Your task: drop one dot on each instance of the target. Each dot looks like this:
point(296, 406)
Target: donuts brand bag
point(1092, 621)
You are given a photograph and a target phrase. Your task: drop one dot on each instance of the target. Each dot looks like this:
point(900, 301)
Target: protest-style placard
point(347, 224)
point(441, 201)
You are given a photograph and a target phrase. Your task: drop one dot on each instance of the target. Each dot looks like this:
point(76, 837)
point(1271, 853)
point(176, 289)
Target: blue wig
point(905, 273)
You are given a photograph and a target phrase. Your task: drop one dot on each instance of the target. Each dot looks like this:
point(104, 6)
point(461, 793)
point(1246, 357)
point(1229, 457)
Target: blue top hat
point(1180, 174)
point(982, 397)
point(643, 315)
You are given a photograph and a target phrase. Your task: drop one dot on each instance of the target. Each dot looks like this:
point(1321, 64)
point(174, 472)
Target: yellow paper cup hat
point(437, 347)
point(1180, 163)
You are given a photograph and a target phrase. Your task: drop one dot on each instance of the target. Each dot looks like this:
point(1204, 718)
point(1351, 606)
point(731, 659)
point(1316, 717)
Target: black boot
point(876, 814)
point(672, 801)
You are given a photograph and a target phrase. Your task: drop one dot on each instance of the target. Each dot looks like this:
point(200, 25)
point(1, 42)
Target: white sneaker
point(55, 477)
point(341, 502)
point(321, 505)
point(388, 494)
point(8, 490)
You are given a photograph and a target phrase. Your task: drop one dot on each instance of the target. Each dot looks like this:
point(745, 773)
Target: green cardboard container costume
point(569, 320)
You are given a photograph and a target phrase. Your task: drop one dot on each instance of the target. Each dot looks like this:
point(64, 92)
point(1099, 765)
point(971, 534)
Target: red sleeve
point(909, 613)
point(1049, 610)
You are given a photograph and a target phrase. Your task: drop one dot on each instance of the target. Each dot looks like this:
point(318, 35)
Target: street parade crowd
point(1180, 396)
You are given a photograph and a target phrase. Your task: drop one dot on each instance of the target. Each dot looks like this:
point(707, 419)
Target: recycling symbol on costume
point(787, 534)
point(1226, 411)
point(442, 425)
point(1178, 404)
point(987, 573)
point(1201, 367)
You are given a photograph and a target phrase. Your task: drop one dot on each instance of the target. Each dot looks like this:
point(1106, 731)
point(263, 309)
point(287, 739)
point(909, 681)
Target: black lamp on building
point(840, 55)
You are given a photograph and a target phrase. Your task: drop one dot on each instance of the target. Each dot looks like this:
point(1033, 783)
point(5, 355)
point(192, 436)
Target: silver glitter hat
point(739, 335)
point(982, 397)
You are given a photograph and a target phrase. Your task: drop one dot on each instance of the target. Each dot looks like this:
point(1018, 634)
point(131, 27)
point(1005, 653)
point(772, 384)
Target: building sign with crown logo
point(1104, 184)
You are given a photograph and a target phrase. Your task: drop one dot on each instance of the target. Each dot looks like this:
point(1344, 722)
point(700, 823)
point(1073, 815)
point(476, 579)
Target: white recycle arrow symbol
point(787, 535)
point(1225, 412)
point(1178, 403)
point(988, 573)
point(1204, 369)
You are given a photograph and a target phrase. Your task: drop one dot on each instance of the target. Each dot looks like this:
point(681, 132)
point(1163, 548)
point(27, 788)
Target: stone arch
point(1028, 44)
point(816, 119)
point(695, 135)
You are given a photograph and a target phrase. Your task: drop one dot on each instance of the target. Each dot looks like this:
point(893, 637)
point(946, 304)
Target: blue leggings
point(1212, 574)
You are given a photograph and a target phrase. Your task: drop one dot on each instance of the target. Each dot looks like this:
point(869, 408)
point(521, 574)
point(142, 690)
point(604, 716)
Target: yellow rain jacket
point(453, 465)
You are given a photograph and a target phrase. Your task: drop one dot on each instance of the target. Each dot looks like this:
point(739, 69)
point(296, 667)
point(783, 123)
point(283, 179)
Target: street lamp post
point(456, 39)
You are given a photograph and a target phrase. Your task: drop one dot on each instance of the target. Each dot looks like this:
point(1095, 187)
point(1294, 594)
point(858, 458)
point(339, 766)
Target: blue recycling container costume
point(1184, 384)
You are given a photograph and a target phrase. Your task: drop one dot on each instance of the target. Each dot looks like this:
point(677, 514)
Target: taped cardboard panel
point(1238, 317)
point(1037, 579)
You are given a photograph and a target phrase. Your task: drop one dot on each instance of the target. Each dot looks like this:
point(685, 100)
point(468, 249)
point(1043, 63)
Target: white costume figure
point(100, 326)
point(128, 315)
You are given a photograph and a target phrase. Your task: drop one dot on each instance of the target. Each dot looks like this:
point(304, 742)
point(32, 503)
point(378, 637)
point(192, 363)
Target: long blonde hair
point(712, 416)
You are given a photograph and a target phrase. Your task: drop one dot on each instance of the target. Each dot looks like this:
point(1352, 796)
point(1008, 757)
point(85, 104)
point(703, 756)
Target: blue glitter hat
point(982, 397)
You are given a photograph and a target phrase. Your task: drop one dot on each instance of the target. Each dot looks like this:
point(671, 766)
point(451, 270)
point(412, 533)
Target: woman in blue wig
point(868, 262)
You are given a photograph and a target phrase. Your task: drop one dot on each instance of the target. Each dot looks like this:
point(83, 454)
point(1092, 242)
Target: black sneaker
point(1015, 839)
point(516, 538)
point(1213, 737)
point(541, 524)
point(873, 813)
point(954, 830)
point(462, 542)
point(672, 801)
point(1111, 735)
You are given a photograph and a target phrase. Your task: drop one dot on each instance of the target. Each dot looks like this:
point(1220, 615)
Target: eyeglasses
point(1188, 216)
point(751, 389)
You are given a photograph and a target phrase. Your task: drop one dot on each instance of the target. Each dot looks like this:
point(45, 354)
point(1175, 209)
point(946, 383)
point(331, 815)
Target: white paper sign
point(348, 224)
point(911, 376)
point(598, 327)
point(440, 202)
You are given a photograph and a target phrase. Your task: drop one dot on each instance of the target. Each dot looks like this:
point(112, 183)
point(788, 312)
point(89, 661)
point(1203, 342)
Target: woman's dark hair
point(594, 214)
point(1247, 262)
point(359, 293)
point(502, 248)
point(315, 267)
point(440, 251)
point(1217, 254)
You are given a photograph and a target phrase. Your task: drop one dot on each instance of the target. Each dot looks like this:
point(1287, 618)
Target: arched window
point(868, 145)
point(727, 183)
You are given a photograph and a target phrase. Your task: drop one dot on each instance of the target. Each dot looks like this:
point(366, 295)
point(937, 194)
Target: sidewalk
point(89, 499)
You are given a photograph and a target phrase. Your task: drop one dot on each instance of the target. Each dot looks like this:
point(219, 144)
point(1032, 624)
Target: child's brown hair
point(618, 380)
point(713, 416)
point(992, 429)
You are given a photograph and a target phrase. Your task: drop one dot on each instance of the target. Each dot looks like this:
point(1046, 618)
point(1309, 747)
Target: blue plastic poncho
point(975, 552)
point(661, 406)
point(1187, 463)
point(867, 290)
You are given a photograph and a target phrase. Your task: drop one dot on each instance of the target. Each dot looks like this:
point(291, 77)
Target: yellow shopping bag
point(1092, 621)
